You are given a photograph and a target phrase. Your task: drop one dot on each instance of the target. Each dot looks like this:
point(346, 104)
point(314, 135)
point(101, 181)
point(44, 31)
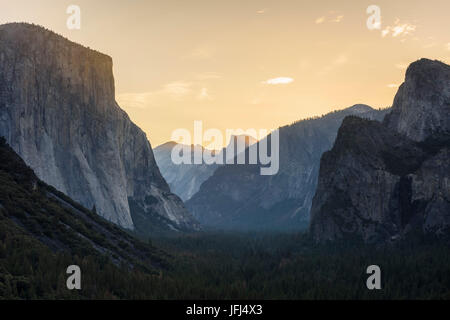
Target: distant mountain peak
point(360, 108)
point(167, 145)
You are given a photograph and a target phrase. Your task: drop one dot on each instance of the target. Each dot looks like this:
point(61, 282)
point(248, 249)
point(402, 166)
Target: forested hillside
point(42, 232)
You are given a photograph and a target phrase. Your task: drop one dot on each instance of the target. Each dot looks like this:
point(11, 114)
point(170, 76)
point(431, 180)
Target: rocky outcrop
point(58, 112)
point(239, 197)
point(421, 106)
point(385, 181)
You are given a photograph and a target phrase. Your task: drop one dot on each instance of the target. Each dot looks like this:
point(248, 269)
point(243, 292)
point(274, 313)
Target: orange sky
point(216, 61)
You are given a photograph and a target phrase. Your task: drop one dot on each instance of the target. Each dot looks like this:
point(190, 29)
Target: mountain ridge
point(238, 197)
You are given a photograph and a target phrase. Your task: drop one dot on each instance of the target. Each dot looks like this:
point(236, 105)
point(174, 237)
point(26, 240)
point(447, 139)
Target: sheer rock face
point(422, 105)
point(382, 181)
point(239, 197)
point(58, 112)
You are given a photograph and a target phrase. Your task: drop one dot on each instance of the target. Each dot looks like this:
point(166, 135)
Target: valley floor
point(290, 266)
point(234, 266)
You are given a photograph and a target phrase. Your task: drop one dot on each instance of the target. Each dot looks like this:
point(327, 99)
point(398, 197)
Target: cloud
point(385, 32)
point(177, 89)
point(262, 11)
point(398, 29)
point(279, 80)
point(204, 95)
point(393, 85)
point(338, 19)
point(136, 100)
point(331, 16)
point(320, 20)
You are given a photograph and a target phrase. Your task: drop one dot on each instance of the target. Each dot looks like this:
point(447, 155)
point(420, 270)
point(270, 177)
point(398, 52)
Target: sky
point(247, 64)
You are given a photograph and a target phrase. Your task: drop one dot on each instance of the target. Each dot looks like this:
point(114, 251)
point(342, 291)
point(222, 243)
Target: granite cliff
point(385, 181)
point(58, 112)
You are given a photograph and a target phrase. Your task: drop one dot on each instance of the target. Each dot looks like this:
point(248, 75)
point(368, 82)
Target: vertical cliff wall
point(58, 112)
point(385, 181)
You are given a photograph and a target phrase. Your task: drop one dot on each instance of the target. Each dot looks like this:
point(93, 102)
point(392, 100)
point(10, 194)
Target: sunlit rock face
point(385, 181)
point(58, 112)
point(422, 105)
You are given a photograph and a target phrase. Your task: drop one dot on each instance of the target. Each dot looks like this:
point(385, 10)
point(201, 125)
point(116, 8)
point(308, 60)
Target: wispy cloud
point(338, 19)
point(136, 100)
point(331, 16)
point(176, 91)
point(279, 80)
point(320, 20)
point(262, 11)
point(398, 29)
point(204, 94)
point(393, 85)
